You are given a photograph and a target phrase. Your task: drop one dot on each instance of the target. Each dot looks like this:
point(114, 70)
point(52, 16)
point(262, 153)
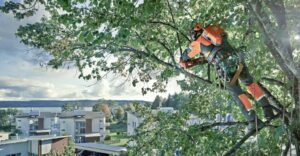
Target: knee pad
point(255, 90)
point(244, 99)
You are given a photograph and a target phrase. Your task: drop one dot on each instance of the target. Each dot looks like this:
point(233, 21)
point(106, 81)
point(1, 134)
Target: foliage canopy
point(142, 41)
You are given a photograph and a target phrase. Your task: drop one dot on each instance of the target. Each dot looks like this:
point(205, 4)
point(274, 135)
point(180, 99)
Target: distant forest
point(57, 103)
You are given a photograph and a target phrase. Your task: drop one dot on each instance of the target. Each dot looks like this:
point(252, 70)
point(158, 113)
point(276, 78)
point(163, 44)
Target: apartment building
point(34, 145)
point(133, 121)
point(83, 126)
point(37, 123)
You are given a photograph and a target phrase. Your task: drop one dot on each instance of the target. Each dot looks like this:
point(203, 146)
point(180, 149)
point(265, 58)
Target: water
point(44, 109)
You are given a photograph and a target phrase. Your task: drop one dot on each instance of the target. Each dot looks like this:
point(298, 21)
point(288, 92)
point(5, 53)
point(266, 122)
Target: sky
point(22, 77)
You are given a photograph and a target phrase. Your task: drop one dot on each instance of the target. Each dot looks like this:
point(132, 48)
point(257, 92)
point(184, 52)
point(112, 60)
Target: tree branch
point(173, 19)
point(283, 58)
point(287, 148)
point(171, 26)
point(272, 80)
point(166, 64)
point(247, 136)
point(168, 50)
point(279, 107)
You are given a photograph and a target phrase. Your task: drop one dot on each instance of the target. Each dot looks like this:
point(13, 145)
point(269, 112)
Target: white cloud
point(21, 78)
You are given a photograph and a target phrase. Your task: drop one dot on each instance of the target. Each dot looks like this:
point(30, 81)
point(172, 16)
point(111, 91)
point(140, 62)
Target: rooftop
point(86, 114)
point(101, 148)
point(40, 137)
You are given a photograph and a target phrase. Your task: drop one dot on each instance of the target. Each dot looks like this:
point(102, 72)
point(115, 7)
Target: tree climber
point(210, 45)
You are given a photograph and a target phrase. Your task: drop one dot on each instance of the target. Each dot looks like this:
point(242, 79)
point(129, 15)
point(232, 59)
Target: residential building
point(34, 145)
point(37, 123)
point(83, 126)
point(166, 109)
point(133, 121)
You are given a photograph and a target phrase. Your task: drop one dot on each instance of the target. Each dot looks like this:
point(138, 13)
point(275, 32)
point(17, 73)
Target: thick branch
point(166, 64)
point(247, 136)
point(283, 58)
point(205, 127)
point(168, 50)
point(272, 80)
point(279, 107)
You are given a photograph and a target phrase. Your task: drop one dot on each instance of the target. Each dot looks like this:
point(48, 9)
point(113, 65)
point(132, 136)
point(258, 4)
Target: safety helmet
point(197, 31)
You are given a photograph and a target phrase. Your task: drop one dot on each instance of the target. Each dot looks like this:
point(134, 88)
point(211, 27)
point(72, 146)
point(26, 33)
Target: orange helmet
point(197, 31)
point(198, 27)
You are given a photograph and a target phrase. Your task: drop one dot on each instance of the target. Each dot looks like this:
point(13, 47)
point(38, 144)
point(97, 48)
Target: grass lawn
point(118, 134)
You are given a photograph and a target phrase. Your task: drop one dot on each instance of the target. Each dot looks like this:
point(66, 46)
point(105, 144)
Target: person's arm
point(187, 62)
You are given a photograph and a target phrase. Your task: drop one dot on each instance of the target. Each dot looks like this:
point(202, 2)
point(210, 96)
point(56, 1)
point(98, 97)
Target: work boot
point(267, 108)
point(268, 112)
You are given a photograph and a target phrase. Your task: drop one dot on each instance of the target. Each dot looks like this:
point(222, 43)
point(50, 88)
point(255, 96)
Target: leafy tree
point(157, 102)
point(6, 119)
point(102, 108)
point(69, 106)
point(120, 113)
point(146, 38)
point(130, 107)
point(176, 101)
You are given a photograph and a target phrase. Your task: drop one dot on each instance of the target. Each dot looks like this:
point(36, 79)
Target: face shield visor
point(196, 32)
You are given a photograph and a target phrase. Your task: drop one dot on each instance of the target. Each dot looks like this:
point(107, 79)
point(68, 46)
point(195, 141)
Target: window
point(19, 120)
point(80, 127)
point(19, 127)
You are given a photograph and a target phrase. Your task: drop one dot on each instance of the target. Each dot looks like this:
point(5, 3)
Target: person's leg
point(255, 90)
point(244, 104)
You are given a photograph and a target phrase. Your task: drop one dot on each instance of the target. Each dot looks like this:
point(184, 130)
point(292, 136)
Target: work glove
point(185, 53)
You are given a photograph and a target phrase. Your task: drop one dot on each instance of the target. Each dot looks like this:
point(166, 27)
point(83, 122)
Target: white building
point(166, 109)
point(37, 123)
point(133, 121)
point(83, 126)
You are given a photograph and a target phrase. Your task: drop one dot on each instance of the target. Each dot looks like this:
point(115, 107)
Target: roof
point(89, 135)
point(86, 114)
point(37, 114)
point(71, 114)
point(12, 141)
point(101, 148)
point(47, 137)
point(39, 137)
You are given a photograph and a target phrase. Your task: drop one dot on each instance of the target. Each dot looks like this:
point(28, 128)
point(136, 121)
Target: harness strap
point(237, 74)
point(212, 54)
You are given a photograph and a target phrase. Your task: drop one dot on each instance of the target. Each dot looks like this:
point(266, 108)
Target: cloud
point(24, 88)
point(10, 44)
point(21, 78)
